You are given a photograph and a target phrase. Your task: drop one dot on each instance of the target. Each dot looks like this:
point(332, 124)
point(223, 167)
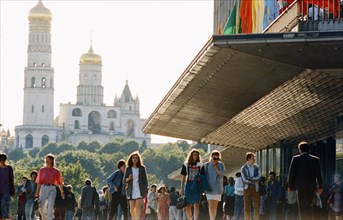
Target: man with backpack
point(115, 181)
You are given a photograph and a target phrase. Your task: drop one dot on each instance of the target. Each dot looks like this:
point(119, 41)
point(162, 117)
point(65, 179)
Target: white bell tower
point(38, 117)
point(39, 75)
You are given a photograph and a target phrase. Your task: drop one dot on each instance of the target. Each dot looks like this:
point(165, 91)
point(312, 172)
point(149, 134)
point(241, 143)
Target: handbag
point(181, 203)
point(35, 205)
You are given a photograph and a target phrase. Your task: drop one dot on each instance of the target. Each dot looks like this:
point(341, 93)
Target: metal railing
point(321, 10)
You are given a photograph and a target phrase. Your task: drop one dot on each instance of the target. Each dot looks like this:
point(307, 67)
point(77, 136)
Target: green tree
point(82, 146)
point(89, 161)
point(183, 145)
point(50, 148)
point(109, 163)
point(144, 146)
point(130, 146)
point(94, 146)
point(34, 152)
point(63, 147)
point(75, 175)
point(17, 154)
point(199, 145)
point(111, 148)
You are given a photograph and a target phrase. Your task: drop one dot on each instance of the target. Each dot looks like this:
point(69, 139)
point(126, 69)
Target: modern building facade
point(87, 120)
point(263, 91)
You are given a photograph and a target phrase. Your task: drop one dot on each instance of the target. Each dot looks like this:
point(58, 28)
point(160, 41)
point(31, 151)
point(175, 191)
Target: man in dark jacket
point(275, 195)
point(87, 201)
point(305, 176)
point(115, 181)
point(60, 203)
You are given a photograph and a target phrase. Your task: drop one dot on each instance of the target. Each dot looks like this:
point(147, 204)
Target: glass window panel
point(264, 161)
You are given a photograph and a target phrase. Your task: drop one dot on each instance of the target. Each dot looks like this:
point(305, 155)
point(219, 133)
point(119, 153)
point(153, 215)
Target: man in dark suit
point(88, 201)
point(305, 176)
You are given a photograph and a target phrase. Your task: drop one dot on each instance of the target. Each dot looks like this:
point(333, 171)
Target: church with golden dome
point(89, 119)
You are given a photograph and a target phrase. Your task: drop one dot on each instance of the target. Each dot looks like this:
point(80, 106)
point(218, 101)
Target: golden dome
point(40, 12)
point(90, 57)
point(3, 133)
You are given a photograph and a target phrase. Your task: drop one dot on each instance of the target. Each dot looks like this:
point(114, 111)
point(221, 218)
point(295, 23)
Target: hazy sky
point(150, 43)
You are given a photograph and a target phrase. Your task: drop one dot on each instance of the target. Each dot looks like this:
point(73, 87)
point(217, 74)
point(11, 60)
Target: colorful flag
point(230, 27)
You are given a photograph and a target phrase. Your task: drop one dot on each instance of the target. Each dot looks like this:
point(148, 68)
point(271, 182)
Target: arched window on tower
point(111, 126)
point(43, 82)
point(45, 140)
point(42, 108)
point(77, 124)
point(28, 141)
point(33, 82)
point(76, 112)
point(32, 108)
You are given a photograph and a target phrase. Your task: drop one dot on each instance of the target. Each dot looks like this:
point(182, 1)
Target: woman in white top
point(136, 184)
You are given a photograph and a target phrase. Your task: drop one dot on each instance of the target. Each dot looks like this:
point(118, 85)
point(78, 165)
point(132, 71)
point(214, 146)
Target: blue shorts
point(5, 205)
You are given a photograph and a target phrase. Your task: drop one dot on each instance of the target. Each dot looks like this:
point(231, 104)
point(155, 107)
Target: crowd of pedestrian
point(205, 193)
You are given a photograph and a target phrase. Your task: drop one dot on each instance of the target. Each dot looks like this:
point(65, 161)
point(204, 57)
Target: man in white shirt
point(239, 203)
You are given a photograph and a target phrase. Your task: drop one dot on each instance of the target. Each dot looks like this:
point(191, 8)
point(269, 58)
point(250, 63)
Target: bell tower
point(39, 75)
point(38, 114)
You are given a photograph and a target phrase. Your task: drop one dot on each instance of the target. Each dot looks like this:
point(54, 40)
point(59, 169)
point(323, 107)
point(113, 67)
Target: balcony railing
point(309, 15)
point(320, 15)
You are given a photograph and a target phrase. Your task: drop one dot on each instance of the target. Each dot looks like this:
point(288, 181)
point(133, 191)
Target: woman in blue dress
point(190, 169)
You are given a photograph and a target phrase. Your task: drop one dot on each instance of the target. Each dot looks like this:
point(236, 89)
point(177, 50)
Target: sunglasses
point(216, 158)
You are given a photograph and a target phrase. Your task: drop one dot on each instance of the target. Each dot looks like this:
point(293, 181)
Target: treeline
point(95, 161)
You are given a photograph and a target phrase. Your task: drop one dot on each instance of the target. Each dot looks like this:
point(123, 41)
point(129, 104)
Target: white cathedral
point(87, 120)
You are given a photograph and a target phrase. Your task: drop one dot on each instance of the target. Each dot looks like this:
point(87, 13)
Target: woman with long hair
point(163, 199)
point(214, 172)
point(136, 181)
point(190, 169)
point(48, 177)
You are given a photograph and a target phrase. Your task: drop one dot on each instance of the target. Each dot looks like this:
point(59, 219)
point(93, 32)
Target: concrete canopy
point(250, 91)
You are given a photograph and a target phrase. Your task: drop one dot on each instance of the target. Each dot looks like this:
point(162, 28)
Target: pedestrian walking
point(305, 177)
point(31, 188)
point(174, 213)
point(71, 203)
point(275, 195)
point(21, 195)
point(48, 177)
point(238, 212)
point(60, 203)
point(136, 184)
point(229, 195)
point(336, 197)
point(190, 169)
point(87, 202)
point(214, 172)
point(163, 201)
point(7, 188)
point(251, 176)
point(115, 181)
point(152, 202)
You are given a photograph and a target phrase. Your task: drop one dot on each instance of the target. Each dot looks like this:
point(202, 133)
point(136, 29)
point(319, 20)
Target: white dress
point(136, 193)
